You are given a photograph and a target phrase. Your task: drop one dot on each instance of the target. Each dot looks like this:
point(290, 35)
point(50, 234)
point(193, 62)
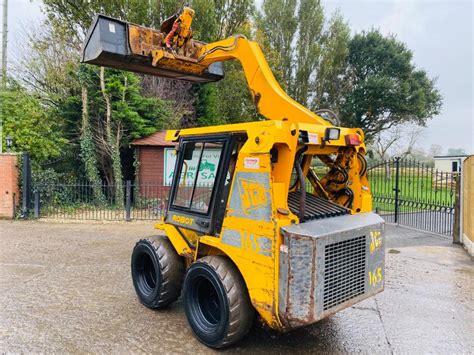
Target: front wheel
point(216, 302)
point(157, 272)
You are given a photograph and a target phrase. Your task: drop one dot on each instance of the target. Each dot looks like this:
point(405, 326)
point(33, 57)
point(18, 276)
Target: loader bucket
point(107, 44)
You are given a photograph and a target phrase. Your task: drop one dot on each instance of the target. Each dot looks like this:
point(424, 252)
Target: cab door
point(200, 171)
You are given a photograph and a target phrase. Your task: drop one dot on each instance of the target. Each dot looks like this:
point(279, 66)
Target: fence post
point(128, 200)
point(37, 204)
point(396, 189)
point(26, 185)
point(457, 210)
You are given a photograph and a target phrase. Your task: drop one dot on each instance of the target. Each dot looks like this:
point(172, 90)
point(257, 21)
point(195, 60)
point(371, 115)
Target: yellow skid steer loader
point(251, 228)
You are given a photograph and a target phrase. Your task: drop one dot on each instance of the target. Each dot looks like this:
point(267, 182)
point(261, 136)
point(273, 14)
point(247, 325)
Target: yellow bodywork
point(260, 268)
point(285, 120)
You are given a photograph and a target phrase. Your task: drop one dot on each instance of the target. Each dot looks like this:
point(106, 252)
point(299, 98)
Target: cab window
point(198, 175)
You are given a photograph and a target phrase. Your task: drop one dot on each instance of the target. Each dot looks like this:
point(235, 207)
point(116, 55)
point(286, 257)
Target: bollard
point(128, 200)
point(37, 205)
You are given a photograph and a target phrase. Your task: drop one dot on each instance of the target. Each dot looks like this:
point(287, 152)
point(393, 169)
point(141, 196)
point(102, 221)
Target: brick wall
point(150, 173)
point(151, 164)
point(8, 184)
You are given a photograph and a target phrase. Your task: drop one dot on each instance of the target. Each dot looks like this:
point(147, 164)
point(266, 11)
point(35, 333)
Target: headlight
point(332, 134)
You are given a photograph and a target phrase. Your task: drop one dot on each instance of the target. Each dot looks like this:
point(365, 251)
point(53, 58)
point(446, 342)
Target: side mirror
point(189, 150)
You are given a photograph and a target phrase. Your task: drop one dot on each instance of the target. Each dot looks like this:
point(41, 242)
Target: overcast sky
point(440, 33)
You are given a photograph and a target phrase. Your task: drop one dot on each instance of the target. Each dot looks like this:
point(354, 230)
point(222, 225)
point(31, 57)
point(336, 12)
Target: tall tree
point(308, 47)
point(218, 19)
point(50, 64)
point(87, 145)
point(279, 24)
point(114, 113)
point(232, 15)
point(227, 100)
point(117, 113)
point(312, 50)
point(328, 84)
point(386, 89)
point(77, 15)
point(26, 120)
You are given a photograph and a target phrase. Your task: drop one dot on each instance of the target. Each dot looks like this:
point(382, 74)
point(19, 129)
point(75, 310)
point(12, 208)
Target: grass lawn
point(415, 188)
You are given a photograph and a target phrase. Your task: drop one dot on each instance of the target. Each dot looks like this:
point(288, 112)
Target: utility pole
point(4, 63)
point(4, 42)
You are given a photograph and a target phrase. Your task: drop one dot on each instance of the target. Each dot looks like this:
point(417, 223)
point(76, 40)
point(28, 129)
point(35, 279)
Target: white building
point(449, 163)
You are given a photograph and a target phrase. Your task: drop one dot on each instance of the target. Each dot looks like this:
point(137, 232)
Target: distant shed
point(449, 163)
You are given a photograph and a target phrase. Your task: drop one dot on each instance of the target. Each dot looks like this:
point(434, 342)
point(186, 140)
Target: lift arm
point(271, 101)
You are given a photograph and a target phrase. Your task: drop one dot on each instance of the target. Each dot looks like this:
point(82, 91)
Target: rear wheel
point(216, 302)
point(157, 272)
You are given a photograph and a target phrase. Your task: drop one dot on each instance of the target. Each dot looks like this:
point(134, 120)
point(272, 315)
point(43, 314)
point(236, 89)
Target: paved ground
point(67, 288)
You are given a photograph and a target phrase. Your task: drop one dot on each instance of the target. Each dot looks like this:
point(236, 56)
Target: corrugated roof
point(156, 139)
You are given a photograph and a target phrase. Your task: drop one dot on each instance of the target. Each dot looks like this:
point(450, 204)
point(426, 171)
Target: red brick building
point(151, 155)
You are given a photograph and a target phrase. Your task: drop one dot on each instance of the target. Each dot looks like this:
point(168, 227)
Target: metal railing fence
point(86, 201)
point(414, 194)
point(404, 191)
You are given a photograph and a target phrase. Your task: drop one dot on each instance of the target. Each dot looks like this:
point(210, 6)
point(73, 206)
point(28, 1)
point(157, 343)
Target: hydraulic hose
point(222, 48)
point(363, 168)
point(335, 117)
point(301, 178)
point(342, 171)
point(302, 192)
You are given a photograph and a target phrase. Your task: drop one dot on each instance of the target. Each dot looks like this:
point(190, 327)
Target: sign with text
point(207, 169)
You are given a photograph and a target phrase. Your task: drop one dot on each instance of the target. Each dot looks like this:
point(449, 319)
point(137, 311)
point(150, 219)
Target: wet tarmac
point(66, 287)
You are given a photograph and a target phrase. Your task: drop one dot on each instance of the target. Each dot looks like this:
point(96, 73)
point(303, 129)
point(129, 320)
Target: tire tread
point(241, 311)
point(172, 270)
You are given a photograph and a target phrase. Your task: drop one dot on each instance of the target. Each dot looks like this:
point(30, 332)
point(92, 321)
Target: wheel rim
point(208, 304)
point(146, 274)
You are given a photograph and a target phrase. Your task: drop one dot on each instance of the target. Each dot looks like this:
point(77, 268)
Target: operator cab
point(201, 181)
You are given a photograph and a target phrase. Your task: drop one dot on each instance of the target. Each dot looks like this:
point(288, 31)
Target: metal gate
point(414, 194)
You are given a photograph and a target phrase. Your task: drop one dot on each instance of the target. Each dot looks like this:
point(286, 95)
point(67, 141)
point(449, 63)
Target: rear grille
point(344, 273)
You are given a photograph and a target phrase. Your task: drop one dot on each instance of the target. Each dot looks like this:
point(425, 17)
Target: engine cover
point(330, 264)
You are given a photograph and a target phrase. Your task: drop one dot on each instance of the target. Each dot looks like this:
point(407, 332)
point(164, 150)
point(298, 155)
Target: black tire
point(157, 272)
point(216, 302)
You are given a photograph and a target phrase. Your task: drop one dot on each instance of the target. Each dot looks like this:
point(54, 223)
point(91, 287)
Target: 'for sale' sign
point(207, 169)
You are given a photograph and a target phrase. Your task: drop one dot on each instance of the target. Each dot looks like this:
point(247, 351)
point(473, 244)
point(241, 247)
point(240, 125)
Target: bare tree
point(48, 62)
point(435, 149)
point(398, 141)
point(177, 91)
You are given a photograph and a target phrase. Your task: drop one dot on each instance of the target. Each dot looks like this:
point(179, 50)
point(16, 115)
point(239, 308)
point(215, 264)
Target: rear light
point(353, 139)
